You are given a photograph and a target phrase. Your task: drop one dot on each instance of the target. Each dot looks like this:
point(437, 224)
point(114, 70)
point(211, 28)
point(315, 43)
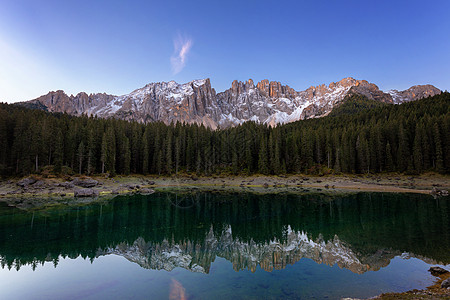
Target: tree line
point(358, 137)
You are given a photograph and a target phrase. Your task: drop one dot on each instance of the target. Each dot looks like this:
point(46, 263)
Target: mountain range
point(267, 102)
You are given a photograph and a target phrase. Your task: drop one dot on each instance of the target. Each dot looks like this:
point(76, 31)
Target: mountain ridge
point(197, 101)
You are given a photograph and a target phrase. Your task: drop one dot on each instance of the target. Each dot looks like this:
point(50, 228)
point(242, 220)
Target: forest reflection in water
point(359, 232)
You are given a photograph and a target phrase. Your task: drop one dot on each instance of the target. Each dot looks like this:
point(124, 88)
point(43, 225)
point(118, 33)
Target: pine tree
point(145, 151)
point(263, 162)
point(438, 146)
point(80, 154)
point(417, 150)
point(126, 155)
point(90, 152)
point(362, 149)
point(389, 160)
point(169, 160)
point(177, 154)
point(275, 156)
point(104, 155)
point(159, 162)
point(134, 145)
point(306, 150)
point(59, 150)
point(403, 150)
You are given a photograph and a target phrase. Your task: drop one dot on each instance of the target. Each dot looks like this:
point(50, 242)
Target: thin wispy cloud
point(182, 46)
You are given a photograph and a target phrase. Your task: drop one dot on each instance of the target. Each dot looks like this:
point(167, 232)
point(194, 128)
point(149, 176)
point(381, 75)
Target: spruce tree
point(80, 154)
point(417, 150)
point(438, 147)
point(263, 162)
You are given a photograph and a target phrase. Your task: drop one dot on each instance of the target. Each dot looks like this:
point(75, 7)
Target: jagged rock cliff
point(197, 102)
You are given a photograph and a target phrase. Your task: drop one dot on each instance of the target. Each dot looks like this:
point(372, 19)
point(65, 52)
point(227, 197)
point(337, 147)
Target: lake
point(197, 245)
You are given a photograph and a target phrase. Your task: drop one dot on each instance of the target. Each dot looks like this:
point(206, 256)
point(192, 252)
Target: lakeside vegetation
point(359, 137)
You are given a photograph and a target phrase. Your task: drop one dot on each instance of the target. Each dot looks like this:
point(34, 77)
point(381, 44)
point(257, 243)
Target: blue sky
point(118, 46)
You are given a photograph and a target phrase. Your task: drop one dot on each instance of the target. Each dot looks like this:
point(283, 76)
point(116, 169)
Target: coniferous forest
point(360, 136)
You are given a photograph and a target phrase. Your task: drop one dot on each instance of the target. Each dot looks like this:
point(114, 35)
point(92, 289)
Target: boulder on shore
point(85, 193)
point(133, 186)
point(26, 181)
point(436, 271)
point(445, 284)
point(438, 192)
point(66, 185)
point(39, 184)
point(86, 183)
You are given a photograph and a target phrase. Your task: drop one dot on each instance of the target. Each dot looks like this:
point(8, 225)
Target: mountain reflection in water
point(359, 232)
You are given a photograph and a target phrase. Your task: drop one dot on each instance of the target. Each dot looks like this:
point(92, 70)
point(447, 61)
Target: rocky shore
point(36, 191)
point(439, 290)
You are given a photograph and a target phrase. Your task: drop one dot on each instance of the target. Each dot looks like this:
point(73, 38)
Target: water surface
point(206, 245)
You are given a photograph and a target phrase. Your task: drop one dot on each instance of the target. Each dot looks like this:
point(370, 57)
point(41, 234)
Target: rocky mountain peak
point(414, 93)
point(239, 87)
point(196, 101)
point(348, 82)
point(263, 87)
point(275, 89)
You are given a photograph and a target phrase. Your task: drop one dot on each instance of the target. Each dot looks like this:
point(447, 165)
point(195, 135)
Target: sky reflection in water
point(225, 245)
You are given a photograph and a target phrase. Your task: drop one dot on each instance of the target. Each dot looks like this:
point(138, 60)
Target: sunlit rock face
point(267, 102)
point(414, 93)
point(272, 255)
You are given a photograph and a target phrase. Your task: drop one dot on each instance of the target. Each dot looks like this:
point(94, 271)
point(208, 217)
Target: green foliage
point(360, 137)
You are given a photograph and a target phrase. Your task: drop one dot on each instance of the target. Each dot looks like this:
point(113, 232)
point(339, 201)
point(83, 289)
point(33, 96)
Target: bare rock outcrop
point(267, 102)
point(415, 92)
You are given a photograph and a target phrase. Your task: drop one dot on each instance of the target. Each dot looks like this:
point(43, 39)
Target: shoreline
point(38, 192)
point(434, 291)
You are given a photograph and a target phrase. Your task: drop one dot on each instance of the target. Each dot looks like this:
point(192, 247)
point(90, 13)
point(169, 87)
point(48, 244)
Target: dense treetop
point(360, 136)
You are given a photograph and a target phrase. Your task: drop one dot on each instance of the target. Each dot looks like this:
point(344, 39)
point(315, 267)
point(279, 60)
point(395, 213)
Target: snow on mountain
point(196, 102)
point(413, 93)
point(396, 96)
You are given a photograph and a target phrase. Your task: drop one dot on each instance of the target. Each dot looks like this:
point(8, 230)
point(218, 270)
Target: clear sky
point(117, 46)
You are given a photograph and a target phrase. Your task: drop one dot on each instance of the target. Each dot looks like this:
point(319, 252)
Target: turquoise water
point(223, 246)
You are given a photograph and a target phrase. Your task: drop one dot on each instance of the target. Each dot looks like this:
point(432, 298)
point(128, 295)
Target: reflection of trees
point(366, 222)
